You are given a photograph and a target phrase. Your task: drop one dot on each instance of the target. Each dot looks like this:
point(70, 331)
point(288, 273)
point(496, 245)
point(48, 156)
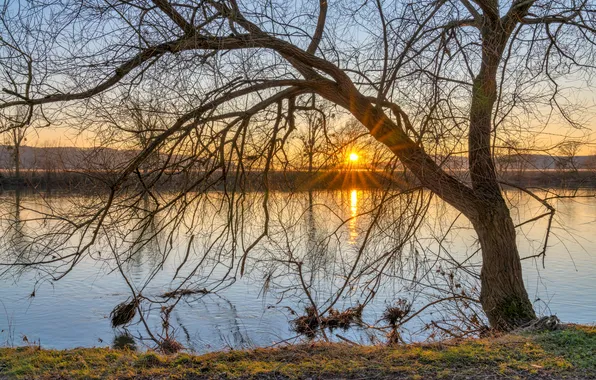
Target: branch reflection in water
point(323, 250)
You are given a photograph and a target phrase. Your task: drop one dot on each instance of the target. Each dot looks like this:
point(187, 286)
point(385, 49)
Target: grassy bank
point(568, 353)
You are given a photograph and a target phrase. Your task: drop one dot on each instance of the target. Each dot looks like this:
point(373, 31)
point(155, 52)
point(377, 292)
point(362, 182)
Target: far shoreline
point(293, 181)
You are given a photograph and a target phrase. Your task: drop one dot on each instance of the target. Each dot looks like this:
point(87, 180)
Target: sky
point(553, 133)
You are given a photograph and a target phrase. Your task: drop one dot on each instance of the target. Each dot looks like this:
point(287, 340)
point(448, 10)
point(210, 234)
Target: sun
point(353, 157)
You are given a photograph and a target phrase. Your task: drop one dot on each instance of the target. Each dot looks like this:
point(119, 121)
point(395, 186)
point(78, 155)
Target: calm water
point(255, 309)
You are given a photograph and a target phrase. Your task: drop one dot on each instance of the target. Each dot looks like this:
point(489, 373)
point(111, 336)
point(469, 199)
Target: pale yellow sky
point(556, 131)
point(61, 137)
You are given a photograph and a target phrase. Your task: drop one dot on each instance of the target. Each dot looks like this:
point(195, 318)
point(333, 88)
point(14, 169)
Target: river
point(322, 233)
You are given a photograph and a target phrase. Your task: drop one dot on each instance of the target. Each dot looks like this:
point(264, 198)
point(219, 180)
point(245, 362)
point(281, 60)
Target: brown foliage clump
point(310, 323)
point(170, 346)
point(307, 324)
point(393, 315)
point(124, 312)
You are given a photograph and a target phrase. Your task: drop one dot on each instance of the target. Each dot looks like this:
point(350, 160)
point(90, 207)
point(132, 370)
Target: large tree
point(427, 79)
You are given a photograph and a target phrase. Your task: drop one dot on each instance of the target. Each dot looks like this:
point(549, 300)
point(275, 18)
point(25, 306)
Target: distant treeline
point(282, 181)
point(76, 159)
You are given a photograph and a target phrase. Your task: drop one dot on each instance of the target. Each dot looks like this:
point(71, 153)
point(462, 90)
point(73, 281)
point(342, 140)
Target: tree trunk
point(17, 163)
point(503, 295)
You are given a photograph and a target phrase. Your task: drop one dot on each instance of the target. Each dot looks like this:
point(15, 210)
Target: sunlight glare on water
point(354, 216)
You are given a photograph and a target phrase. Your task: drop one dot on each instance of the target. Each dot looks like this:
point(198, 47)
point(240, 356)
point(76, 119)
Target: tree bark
point(503, 295)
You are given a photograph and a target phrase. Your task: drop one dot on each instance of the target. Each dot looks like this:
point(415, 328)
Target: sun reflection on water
point(353, 215)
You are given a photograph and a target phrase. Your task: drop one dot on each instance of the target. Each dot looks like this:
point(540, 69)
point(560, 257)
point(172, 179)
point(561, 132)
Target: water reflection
point(15, 230)
point(124, 341)
point(353, 224)
point(72, 312)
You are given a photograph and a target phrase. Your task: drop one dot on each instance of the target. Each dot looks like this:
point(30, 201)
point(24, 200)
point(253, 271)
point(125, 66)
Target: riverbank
point(569, 353)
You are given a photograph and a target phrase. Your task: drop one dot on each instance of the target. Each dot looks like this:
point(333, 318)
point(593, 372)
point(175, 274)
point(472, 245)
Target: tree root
point(550, 323)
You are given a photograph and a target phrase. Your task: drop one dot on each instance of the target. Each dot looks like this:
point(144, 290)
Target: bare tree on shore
point(16, 128)
point(567, 157)
point(427, 80)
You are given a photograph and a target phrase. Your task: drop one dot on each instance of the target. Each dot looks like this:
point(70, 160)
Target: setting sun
point(353, 157)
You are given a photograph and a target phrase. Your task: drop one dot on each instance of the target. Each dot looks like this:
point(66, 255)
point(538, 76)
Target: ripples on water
point(255, 309)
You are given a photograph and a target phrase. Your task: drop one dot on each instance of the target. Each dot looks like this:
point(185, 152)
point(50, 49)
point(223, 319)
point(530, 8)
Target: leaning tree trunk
point(503, 295)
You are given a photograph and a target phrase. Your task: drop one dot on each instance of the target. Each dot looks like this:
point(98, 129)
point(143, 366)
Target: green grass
point(568, 353)
point(576, 344)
